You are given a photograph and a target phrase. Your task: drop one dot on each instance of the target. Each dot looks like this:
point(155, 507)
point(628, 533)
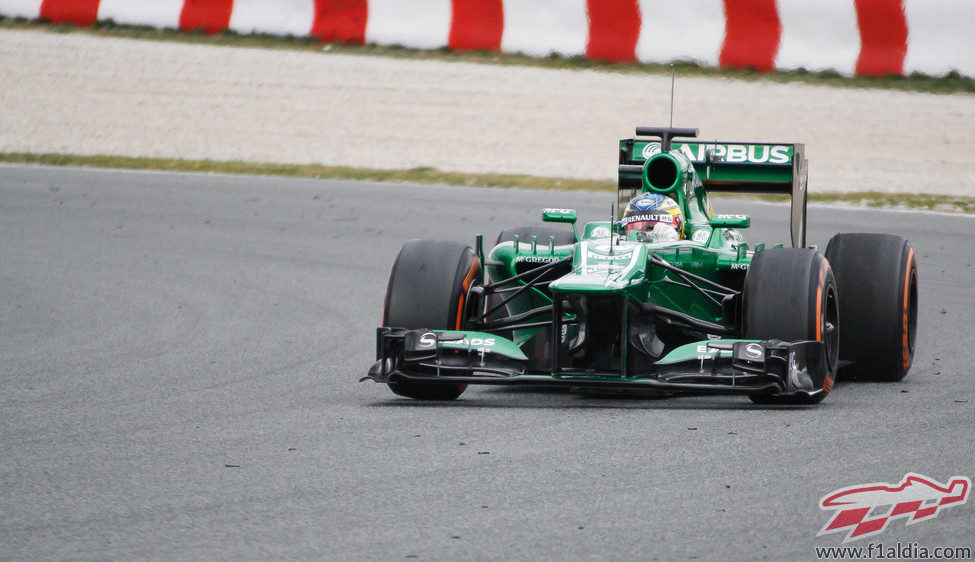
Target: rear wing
point(731, 167)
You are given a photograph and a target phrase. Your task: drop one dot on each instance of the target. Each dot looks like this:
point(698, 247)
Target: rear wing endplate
point(731, 167)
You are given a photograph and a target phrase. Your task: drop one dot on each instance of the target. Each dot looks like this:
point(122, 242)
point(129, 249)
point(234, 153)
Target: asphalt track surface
point(179, 357)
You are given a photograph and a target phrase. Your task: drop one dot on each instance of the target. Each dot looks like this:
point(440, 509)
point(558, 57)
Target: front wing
point(724, 367)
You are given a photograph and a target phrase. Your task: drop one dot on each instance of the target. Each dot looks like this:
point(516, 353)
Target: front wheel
point(877, 276)
point(427, 289)
point(791, 294)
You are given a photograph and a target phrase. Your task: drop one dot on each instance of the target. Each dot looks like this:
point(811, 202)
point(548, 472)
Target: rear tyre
point(428, 288)
point(790, 294)
point(877, 279)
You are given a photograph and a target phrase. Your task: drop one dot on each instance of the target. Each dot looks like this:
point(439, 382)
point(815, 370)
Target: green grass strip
point(944, 203)
point(915, 82)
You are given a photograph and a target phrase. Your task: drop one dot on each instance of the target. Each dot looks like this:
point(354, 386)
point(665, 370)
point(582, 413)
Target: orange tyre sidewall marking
point(463, 294)
point(828, 381)
point(819, 302)
point(905, 345)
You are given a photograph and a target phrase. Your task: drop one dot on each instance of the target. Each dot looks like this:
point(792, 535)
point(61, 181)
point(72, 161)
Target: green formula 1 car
point(608, 307)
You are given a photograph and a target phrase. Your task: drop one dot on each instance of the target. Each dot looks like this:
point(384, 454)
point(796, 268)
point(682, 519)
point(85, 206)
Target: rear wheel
point(877, 279)
point(428, 288)
point(790, 294)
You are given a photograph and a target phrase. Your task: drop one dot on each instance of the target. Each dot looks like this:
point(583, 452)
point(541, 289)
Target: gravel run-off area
point(81, 94)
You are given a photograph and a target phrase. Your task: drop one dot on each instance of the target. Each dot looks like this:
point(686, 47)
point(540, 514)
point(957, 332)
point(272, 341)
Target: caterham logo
point(754, 350)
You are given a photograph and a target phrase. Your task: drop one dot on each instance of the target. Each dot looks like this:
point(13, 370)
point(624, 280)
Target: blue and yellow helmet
point(646, 210)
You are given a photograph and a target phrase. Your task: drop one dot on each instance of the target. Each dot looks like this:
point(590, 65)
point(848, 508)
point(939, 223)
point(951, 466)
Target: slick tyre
point(428, 288)
point(877, 279)
point(790, 294)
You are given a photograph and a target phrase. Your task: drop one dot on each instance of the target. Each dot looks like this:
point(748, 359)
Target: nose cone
point(599, 267)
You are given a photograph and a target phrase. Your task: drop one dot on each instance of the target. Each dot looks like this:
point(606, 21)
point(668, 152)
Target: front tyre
point(790, 294)
point(428, 288)
point(877, 277)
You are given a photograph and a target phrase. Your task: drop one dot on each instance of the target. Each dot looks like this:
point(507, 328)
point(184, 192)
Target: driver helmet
point(650, 212)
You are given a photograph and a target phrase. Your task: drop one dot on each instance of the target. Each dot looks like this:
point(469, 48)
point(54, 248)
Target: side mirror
point(730, 221)
point(559, 215)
